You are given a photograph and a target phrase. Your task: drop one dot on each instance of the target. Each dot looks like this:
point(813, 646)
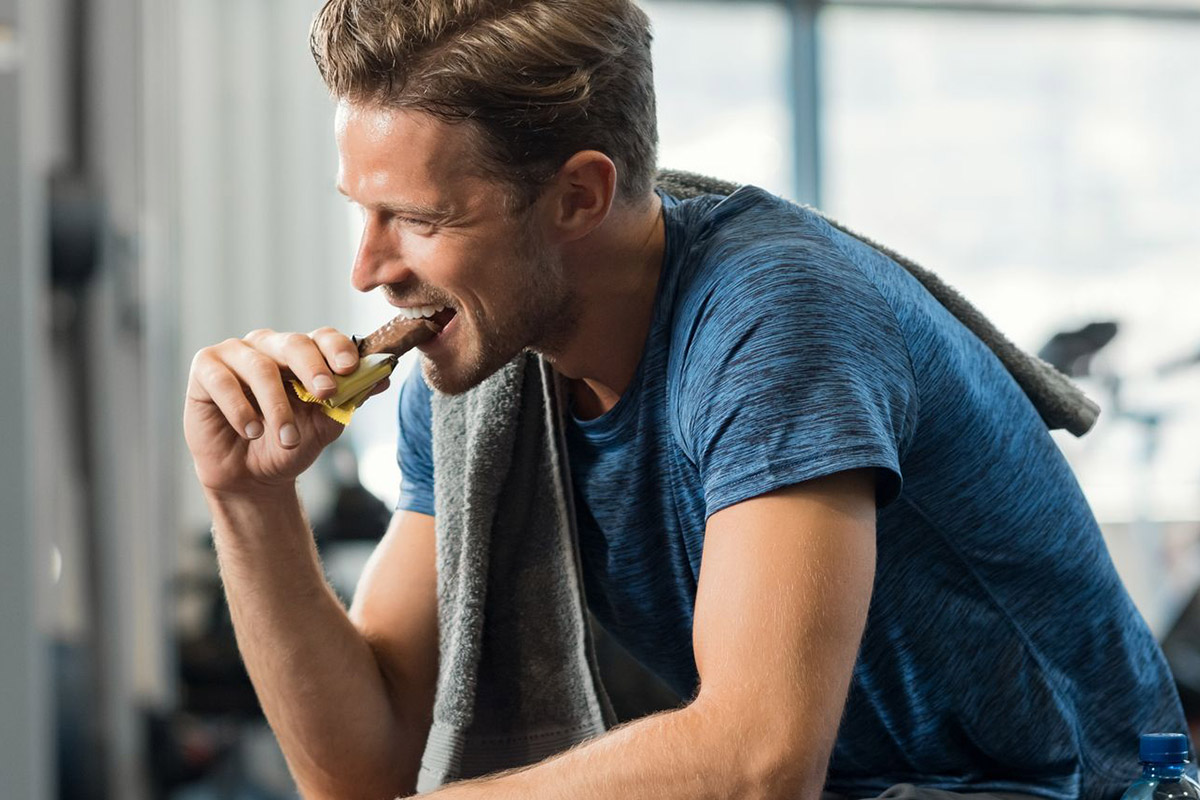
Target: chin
point(456, 381)
point(459, 370)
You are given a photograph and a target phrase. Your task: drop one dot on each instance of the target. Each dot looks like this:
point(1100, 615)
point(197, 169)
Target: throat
point(591, 402)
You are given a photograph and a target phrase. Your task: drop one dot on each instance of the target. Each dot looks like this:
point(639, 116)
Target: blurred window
point(1047, 167)
point(721, 78)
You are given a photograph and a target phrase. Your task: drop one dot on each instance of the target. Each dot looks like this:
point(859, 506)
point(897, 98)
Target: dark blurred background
point(166, 181)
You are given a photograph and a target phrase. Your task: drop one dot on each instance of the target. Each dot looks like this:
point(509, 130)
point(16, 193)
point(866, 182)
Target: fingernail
point(323, 383)
point(344, 360)
point(288, 435)
point(254, 429)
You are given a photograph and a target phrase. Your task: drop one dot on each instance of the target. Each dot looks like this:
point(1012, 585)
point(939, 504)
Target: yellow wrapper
point(351, 389)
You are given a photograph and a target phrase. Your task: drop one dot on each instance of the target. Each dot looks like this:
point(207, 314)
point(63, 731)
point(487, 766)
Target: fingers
point(214, 382)
point(261, 375)
point(227, 372)
point(339, 350)
point(313, 358)
point(235, 377)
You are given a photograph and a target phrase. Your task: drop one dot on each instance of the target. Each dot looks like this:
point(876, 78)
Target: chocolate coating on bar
point(397, 337)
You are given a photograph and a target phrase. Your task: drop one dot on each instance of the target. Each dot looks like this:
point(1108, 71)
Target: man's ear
point(581, 194)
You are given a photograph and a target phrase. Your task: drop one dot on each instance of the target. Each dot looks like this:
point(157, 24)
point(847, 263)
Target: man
point(808, 498)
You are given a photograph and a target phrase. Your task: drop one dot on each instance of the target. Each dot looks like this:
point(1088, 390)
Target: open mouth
point(439, 315)
point(442, 318)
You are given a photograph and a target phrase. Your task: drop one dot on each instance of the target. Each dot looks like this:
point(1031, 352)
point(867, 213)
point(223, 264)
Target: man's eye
point(413, 221)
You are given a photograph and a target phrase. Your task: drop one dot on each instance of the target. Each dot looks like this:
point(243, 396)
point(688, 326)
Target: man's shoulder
point(755, 252)
point(750, 217)
point(771, 308)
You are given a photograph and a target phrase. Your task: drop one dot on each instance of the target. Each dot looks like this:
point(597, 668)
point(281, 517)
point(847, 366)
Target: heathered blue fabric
point(1001, 651)
point(414, 450)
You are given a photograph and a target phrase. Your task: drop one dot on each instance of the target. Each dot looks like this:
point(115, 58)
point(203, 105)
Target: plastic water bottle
point(1163, 756)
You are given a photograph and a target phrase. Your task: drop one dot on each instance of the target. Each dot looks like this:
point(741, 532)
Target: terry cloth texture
point(517, 678)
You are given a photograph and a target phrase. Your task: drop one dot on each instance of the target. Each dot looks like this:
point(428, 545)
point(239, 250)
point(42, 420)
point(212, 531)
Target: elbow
point(782, 776)
point(355, 784)
point(778, 772)
point(773, 758)
point(309, 792)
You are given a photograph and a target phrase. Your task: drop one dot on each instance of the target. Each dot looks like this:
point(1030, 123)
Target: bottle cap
point(1163, 748)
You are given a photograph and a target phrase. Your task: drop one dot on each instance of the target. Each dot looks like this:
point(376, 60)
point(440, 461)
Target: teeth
point(417, 312)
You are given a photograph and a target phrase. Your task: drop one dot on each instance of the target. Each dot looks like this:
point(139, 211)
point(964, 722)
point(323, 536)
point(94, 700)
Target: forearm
point(316, 677)
point(691, 753)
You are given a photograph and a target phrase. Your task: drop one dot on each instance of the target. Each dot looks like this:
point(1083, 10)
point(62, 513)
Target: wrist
point(260, 516)
point(258, 495)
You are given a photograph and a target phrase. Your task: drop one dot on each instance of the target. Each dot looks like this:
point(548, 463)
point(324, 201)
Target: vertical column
point(805, 97)
point(156, 672)
point(24, 706)
point(129, 583)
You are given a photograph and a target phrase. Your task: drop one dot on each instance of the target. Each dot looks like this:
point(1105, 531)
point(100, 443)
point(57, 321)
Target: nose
point(378, 260)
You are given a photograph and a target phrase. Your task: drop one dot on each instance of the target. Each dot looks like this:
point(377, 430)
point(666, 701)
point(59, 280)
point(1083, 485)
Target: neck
point(615, 272)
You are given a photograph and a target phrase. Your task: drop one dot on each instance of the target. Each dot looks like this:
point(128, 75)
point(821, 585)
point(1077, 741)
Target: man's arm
point(348, 697)
point(781, 606)
point(349, 705)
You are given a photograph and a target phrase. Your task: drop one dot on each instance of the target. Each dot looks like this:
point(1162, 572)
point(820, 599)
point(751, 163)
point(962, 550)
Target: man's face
point(436, 232)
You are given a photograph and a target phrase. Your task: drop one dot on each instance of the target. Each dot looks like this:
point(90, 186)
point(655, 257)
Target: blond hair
point(539, 79)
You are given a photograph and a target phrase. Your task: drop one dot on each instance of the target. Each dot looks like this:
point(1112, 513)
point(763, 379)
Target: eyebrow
point(408, 209)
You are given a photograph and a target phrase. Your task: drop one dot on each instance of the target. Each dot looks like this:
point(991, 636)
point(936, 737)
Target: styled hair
point(538, 80)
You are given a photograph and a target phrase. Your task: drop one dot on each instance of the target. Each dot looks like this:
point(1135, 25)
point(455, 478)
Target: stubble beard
point(540, 318)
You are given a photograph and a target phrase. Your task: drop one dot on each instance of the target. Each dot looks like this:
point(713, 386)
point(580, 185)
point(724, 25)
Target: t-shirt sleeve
point(795, 368)
point(414, 449)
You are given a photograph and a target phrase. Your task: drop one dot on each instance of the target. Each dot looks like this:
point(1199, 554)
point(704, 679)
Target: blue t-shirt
point(1001, 651)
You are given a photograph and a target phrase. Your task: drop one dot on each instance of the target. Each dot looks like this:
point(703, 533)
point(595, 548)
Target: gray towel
point(519, 681)
point(517, 677)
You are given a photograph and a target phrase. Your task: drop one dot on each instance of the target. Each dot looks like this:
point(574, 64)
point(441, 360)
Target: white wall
point(262, 239)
